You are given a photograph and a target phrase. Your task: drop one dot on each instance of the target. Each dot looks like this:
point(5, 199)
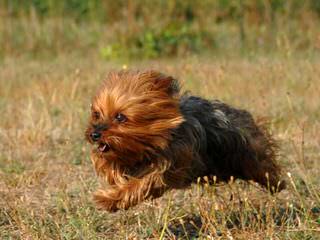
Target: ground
point(47, 180)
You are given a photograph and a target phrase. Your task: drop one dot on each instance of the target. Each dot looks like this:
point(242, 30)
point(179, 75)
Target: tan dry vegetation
point(46, 177)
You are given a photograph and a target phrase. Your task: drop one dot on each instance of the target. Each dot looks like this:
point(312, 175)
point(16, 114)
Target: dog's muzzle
point(95, 136)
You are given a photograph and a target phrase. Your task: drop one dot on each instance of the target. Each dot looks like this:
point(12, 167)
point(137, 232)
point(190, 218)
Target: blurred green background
point(151, 29)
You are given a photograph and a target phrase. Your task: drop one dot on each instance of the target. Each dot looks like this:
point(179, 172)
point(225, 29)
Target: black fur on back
point(224, 142)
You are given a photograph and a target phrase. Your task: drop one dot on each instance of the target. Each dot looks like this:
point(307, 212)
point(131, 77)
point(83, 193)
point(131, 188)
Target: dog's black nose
point(95, 136)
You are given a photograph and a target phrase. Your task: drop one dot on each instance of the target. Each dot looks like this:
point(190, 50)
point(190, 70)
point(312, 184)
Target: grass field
point(46, 177)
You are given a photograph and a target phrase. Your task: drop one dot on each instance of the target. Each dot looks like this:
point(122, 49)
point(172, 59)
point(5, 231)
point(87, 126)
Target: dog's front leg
point(129, 193)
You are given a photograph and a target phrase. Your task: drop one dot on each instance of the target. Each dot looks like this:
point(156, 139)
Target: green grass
point(46, 177)
point(133, 30)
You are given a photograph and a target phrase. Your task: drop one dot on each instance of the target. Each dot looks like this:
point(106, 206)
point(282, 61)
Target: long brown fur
point(161, 141)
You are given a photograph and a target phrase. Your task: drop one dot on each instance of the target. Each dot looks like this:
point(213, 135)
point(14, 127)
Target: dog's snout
point(100, 127)
point(95, 136)
point(96, 131)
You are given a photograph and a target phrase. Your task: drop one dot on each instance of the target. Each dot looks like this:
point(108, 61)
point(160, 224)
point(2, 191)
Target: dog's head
point(133, 114)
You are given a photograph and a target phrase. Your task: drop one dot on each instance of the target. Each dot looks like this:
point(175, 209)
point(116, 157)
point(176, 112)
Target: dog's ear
point(161, 82)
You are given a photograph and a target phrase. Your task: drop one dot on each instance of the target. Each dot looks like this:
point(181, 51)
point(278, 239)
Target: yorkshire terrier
point(148, 138)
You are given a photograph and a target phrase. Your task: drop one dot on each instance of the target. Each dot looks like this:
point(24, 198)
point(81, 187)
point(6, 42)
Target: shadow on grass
point(187, 227)
point(195, 226)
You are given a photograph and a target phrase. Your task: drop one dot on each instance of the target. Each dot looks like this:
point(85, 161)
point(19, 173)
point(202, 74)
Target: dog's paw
point(104, 202)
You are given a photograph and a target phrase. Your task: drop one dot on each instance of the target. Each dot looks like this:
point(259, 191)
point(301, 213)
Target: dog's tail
point(262, 166)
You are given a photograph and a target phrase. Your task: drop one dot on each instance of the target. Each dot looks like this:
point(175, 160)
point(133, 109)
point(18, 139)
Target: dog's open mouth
point(103, 147)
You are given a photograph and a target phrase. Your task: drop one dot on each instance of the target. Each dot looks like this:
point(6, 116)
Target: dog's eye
point(120, 117)
point(95, 115)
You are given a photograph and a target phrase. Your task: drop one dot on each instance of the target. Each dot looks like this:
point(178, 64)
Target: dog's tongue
point(102, 147)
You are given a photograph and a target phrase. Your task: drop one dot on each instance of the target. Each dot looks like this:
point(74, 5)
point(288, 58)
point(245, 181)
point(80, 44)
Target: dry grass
point(46, 177)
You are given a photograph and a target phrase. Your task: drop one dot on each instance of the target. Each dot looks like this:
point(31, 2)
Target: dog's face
point(132, 115)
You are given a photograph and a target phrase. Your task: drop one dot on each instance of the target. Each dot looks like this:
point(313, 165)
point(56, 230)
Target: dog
point(148, 138)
